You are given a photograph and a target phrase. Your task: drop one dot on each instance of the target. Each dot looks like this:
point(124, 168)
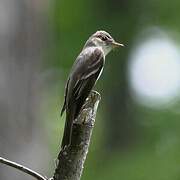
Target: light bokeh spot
point(154, 72)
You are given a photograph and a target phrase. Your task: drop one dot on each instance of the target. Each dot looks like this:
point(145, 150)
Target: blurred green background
point(137, 131)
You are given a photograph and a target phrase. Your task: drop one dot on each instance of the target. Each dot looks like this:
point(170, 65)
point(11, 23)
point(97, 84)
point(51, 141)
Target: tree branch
point(71, 159)
point(22, 168)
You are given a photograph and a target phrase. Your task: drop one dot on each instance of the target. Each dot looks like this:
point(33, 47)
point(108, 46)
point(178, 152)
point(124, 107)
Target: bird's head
point(103, 40)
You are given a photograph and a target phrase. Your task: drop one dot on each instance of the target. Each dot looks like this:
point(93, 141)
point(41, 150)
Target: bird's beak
point(116, 44)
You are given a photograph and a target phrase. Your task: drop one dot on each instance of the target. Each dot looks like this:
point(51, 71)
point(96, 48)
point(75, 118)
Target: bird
point(84, 74)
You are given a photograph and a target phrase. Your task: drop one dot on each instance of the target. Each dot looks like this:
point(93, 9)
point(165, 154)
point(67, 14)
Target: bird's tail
point(66, 140)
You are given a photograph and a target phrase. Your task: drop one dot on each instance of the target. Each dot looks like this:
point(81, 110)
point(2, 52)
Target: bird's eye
point(104, 38)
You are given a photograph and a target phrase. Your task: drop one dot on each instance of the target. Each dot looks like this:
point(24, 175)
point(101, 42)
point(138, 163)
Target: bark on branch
point(71, 159)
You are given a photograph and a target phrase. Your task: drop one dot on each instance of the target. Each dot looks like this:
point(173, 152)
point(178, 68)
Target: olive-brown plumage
point(83, 76)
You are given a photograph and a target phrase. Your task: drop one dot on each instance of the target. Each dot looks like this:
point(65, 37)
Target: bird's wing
point(65, 97)
point(84, 67)
point(90, 66)
point(82, 78)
